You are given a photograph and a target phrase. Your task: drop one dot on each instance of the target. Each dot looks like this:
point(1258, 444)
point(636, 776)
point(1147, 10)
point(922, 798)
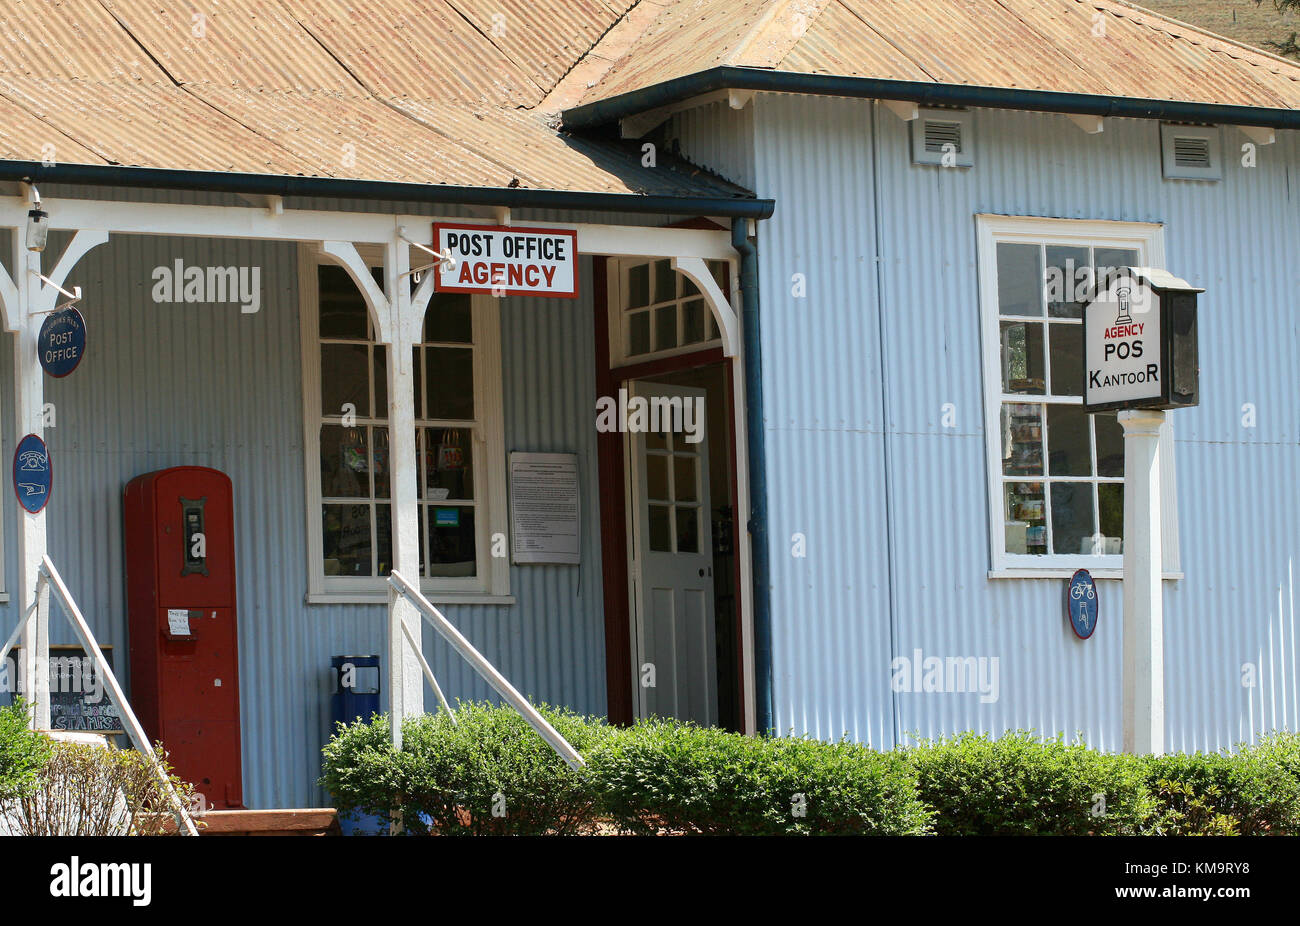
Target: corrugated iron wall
point(171, 384)
point(892, 505)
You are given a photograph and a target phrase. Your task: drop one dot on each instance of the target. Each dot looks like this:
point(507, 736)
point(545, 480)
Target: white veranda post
point(1144, 667)
point(406, 681)
point(27, 301)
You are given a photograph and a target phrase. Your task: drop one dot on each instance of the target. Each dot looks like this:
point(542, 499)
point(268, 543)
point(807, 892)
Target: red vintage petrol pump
point(180, 578)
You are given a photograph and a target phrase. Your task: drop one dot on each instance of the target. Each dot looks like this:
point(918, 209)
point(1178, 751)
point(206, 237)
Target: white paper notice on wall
point(544, 508)
point(178, 622)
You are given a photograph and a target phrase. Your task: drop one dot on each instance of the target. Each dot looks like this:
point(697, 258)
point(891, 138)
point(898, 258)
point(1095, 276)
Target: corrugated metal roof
point(418, 91)
point(1094, 47)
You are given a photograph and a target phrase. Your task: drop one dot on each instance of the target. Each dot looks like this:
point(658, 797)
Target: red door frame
point(613, 507)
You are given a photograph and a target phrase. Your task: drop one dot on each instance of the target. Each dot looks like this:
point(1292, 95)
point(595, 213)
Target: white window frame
point(1148, 240)
point(618, 338)
point(491, 584)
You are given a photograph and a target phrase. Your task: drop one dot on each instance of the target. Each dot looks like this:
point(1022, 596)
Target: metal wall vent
point(1190, 152)
point(943, 138)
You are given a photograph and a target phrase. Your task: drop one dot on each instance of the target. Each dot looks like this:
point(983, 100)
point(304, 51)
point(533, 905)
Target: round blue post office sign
point(33, 475)
point(62, 342)
point(1081, 604)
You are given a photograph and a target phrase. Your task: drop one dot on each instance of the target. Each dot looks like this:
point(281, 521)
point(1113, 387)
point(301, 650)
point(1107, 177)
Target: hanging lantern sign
point(33, 475)
point(62, 342)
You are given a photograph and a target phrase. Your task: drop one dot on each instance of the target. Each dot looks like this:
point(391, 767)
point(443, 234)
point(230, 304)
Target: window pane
point(451, 540)
point(344, 462)
point(693, 321)
point(638, 286)
point(1110, 445)
point(1026, 518)
point(448, 318)
point(1022, 358)
point(448, 463)
point(688, 286)
point(666, 327)
point(1067, 359)
point(1020, 279)
point(661, 540)
point(1072, 523)
point(346, 535)
point(684, 488)
point(1022, 440)
point(1068, 442)
point(656, 470)
point(1068, 282)
point(384, 538)
point(665, 281)
point(450, 375)
point(344, 378)
point(1108, 259)
point(379, 454)
point(417, 360)
point(381, 382)
point(688, 530)
point(1110, 497)
point(638, 334)
point(343, 311)
point(656, 440)
point(721, 273)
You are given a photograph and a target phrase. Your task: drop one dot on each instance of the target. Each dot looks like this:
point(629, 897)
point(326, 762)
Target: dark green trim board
point(756, 451)
point(679, 89)
point(282, 185)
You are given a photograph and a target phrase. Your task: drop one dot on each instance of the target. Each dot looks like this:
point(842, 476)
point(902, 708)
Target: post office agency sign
point(507, 261)
point(1122, 345)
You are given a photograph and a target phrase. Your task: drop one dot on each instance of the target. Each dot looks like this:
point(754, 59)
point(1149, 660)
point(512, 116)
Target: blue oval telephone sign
point(33, 475)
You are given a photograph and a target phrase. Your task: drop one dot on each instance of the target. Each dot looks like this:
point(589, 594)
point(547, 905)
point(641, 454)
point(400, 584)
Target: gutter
point(764, 707)
point(284, 185)
point(680, 89)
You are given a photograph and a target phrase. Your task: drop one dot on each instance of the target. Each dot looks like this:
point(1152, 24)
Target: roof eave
point(283, 185)
point(680, 89)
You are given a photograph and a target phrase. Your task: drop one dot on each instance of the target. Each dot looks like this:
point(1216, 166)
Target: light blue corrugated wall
point(165, 385)
point(832, 424)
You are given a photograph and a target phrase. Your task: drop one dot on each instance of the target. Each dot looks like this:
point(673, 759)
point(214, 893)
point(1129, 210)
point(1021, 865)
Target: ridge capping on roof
point(679, 90)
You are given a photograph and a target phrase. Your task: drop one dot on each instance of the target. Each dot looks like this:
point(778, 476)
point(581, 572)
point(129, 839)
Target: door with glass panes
point(674, 636)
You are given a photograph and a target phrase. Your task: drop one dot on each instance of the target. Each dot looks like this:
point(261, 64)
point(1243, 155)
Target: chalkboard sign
point(78, 696)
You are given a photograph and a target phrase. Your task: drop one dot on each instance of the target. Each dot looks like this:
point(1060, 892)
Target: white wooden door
point(674, 638)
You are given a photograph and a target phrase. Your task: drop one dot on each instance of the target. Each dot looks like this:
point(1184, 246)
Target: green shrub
point(1018, 784)
point(22, 752)
point(663, 776)
point(84, 789)
point(1255, 792)
point(489, 772)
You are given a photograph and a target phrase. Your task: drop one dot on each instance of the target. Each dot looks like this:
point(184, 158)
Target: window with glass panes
point(355, 499)
point(1061, 471)
point(663, 311)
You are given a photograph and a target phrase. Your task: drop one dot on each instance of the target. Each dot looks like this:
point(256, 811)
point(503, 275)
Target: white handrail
point(47, 573)
point(428, 673)
point(484, 668)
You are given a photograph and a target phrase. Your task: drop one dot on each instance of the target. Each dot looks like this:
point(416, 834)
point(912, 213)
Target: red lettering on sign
point(549, 272)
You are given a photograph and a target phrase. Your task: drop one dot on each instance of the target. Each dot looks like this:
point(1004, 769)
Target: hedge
point(662, 776)
point(1019, 785)
point(22, 753)
point(491, 773)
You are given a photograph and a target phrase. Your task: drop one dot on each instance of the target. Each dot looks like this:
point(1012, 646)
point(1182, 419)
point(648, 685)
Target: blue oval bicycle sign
point(33, 475)
point(1082, 604)
point(62, 342)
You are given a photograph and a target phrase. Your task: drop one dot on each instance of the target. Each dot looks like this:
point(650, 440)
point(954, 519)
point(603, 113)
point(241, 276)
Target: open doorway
point(681, 550)
point(668, 500)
